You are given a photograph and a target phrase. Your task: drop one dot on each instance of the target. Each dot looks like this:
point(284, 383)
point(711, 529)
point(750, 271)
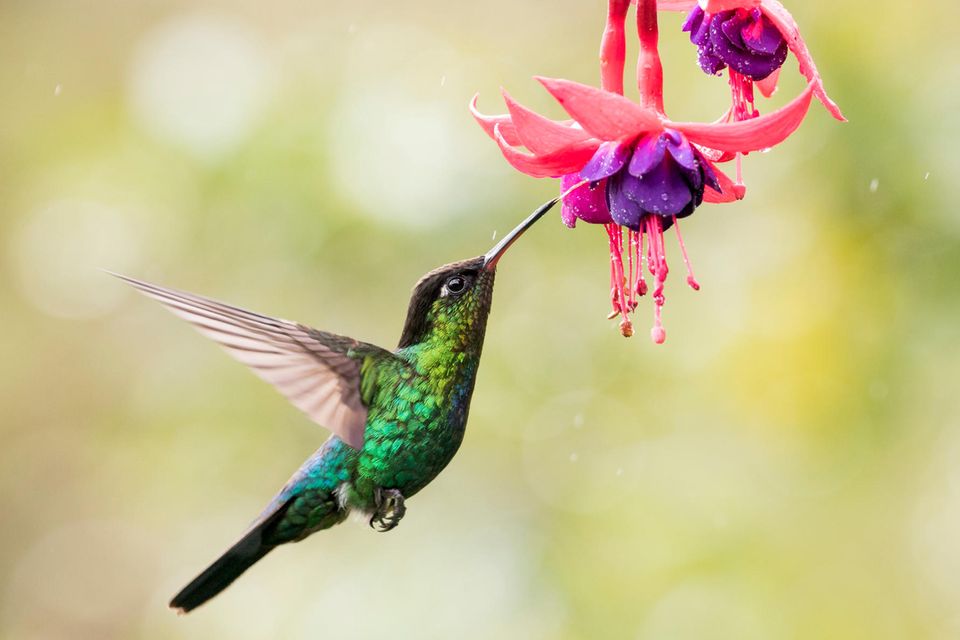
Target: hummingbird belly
point(408, 446)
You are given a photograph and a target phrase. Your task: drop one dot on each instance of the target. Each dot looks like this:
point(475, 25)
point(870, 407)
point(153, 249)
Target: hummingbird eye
point(455, 285)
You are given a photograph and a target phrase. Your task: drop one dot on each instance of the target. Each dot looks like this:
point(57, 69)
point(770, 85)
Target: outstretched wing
point(319, 372)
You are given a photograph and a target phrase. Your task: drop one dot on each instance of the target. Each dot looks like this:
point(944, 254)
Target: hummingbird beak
point(493, 256)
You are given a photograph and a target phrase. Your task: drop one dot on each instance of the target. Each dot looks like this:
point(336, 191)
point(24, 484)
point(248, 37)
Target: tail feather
point(227, 568)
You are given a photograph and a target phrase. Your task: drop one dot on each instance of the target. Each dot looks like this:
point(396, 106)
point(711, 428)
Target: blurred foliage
point(786, 466)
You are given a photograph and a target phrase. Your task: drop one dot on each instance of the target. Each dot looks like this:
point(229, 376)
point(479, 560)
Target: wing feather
point(318, 372)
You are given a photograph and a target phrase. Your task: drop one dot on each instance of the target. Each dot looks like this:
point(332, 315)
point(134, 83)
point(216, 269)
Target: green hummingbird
point(397, 417)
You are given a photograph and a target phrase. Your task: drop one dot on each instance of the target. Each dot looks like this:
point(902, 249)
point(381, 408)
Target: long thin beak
point(493, 256)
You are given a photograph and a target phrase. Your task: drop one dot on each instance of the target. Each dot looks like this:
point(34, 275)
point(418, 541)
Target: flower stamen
point(691, 280)
point(618, 300)
point(653, 227)
point(641, 286)
point(741, 89)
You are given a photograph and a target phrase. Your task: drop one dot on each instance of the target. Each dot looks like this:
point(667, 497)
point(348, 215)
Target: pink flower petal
point(787, 26)
point(730, 192)
point(768, 86)
point(551, 165)
point(488, 123)
point(539, 134)
point(587, 203)
point(782, 19)
point(750, 135)
point(602, 114)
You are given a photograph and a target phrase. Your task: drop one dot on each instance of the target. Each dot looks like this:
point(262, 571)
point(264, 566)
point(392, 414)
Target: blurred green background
point(786, 466)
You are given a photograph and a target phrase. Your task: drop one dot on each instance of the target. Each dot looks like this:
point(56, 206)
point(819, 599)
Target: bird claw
point(390, 510)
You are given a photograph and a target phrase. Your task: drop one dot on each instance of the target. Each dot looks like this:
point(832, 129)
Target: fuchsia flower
point(752, 38)
point(743, 39)
point(626, 165)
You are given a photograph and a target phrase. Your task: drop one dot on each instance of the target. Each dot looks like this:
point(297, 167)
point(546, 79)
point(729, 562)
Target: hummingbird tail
point(227, 568)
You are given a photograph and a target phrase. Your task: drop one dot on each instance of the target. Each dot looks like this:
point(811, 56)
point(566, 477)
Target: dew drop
point(874, 185)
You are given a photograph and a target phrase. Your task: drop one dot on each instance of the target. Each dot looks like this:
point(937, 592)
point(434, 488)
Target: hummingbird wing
point(319, 372)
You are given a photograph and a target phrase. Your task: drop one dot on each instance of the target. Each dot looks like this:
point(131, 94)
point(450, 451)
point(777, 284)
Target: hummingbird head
point(454, 300)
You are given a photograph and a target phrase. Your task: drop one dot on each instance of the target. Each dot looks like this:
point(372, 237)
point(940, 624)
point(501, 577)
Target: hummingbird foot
point(390, 510)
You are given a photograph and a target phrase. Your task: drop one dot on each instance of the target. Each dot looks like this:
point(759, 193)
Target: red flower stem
point(649, 68)
point(613, 47)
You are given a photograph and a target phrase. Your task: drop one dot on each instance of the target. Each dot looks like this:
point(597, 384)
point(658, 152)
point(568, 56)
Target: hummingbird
point(397, 417)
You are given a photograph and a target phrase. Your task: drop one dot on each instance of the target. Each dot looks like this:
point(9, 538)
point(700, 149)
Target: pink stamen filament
point(692, 281)
point(616, 264)
point(641, 285)
point(644, 247)
point(653, 227)
point(616, 270)
point(636, 271)
point(631, 303)
point(741, 90)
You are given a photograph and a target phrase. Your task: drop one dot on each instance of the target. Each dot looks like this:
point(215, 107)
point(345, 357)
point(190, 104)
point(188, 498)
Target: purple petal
point(608, 159)
point(623, 209)
point(693, 22)
point(680, 149)
point(720, 41)
point(588, 203)
point(647, 154)
point(663, 190)
point(711, 63)
point(768, 39)
point(730, 28)
point(742, 59)
point(709, 176)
